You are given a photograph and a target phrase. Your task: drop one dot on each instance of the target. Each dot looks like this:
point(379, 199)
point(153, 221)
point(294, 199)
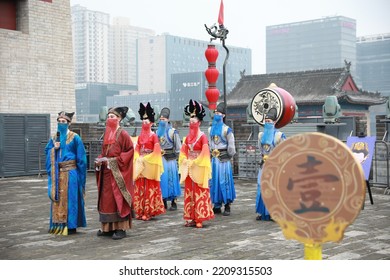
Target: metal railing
point(93, 149)
point(381, 158)
point(248, 160)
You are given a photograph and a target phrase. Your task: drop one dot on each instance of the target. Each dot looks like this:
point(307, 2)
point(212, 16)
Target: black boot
point(173, 205)
point(165, 204)
point(119, 234)
point(226, 212)
point(104, 233)
point(217, 210)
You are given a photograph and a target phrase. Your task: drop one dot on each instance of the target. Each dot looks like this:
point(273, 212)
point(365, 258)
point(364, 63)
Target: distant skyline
point(246, 20)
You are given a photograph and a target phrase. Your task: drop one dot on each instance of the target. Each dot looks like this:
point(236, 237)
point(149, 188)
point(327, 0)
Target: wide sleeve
point(183, 162)
point(125, 158)
point(259, 139)
point(48, 150)
point(281, 137)
point(153, 164)
point(231, 147)
point(122, 165)
point(136, 151)
point(122, 171)
point(81, 162)
point(51, 170)
point(176, 142)
point(138, 162)
point(200, 169)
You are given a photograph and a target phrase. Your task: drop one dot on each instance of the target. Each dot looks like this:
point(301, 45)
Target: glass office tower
point(309, 45)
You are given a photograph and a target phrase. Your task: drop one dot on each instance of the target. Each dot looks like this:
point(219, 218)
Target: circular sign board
point(313, 187)
point(273, 97)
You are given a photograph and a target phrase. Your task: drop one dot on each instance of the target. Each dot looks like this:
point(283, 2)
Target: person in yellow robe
point(195, 170)
point(148, 167)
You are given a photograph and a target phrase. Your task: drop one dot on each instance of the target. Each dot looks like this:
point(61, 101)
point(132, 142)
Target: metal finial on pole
point(224, 74)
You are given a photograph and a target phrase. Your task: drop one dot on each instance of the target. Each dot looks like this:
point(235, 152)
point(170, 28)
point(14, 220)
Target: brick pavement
point(24, 215)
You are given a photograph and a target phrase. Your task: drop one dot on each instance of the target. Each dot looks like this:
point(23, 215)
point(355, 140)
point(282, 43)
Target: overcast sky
point(246, 20)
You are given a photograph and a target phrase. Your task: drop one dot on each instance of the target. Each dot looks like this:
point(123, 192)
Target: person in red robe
point(195, 170)
point(114, 176)
point(148, 167)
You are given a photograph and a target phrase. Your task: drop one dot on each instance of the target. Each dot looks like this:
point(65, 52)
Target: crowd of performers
point(142, 180)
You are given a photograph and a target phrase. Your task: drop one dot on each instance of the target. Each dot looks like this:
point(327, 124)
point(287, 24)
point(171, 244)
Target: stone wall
point(36, 74)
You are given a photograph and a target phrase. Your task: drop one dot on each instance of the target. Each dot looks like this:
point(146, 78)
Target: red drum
point(273, 97)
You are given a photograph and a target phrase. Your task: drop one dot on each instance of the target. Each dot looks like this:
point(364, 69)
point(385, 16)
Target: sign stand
point(369, 194)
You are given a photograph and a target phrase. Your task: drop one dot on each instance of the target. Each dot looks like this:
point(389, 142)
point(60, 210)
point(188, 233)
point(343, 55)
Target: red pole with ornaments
point(212, 73)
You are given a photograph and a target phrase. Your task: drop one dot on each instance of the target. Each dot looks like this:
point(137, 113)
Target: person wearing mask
point(195, 169)
point(222, 146)
point(170, 147)
point(114, 177)
point(267, 141)
point(148, 202)
point(66, 166)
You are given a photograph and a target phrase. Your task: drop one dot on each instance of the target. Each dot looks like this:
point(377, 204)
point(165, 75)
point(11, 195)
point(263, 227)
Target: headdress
point(194, 109)
point(165, 112)
point(65, 115)
point(146, 112)
point(221, 108)
point(118, 111)
point(271, 114)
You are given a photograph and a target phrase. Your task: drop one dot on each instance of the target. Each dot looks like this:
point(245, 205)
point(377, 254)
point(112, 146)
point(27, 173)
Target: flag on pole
point(220, 16)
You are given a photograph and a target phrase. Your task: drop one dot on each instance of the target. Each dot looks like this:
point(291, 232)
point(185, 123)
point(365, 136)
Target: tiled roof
point(307, 87)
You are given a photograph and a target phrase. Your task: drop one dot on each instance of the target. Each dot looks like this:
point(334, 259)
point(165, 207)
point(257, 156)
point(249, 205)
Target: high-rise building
point(161, 56)
point(90, 97)
point(373, 63)
point(373, 68)
point(310, 45)
point(123, 50)
point(186, 86)
point(137, 60)
point(132, 100)
point(90, 45)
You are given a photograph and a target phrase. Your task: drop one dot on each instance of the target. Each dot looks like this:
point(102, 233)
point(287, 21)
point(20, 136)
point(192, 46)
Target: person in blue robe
point(267, 141)
point(170, 147)
point(222, 148)
point(66, 166)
